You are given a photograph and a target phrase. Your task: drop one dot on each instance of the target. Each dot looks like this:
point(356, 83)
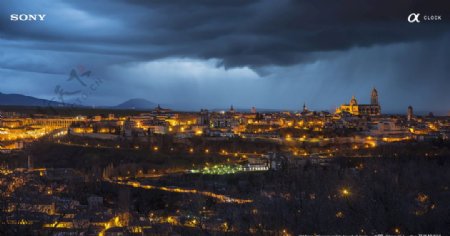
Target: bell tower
point(374, 97)
point(410, 113)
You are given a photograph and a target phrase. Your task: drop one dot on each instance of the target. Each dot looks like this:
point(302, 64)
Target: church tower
point(410, 113)
point(353, 101)
point(231, 109)
point(374, 97)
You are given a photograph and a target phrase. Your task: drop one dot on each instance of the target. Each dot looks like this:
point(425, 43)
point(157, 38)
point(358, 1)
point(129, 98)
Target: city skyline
point(278, 56)
point(141, 104)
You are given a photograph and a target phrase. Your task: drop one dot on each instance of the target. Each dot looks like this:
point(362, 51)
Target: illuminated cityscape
point(196, 167)
point(209, 117)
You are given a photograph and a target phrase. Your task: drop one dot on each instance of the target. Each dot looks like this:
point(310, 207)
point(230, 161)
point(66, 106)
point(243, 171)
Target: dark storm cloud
point(205, 53)
point(240, 33)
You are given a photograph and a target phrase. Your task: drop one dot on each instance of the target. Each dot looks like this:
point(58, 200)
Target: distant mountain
point(137, 103)
point(22, 100)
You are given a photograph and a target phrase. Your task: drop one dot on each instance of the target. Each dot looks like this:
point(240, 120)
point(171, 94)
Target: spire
point(374, 97)
point(353, 101)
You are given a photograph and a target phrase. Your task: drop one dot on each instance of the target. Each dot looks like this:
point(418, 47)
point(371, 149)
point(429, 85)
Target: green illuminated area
point(219, 170)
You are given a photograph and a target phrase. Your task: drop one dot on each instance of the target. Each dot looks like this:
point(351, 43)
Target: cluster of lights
point(219, 170)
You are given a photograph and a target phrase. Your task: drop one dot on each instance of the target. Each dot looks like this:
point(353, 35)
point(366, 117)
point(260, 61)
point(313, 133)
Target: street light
point(345, 192)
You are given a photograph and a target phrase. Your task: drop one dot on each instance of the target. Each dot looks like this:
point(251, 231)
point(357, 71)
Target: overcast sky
point(211, 54)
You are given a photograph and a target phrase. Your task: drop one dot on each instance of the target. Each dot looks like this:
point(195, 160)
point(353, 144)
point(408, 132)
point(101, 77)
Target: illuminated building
point(257, 164)
point(57, 122)
point(387, 128)
point(353, 108)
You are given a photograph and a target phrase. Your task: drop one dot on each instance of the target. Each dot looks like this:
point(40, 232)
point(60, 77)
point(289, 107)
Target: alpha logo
point(28, 17)
point(414, 17)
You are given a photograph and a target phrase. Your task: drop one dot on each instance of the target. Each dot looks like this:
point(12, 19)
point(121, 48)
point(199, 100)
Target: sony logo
point(28, 17)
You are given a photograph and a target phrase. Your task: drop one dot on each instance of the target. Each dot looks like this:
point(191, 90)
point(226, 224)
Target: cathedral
point(372, 109)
